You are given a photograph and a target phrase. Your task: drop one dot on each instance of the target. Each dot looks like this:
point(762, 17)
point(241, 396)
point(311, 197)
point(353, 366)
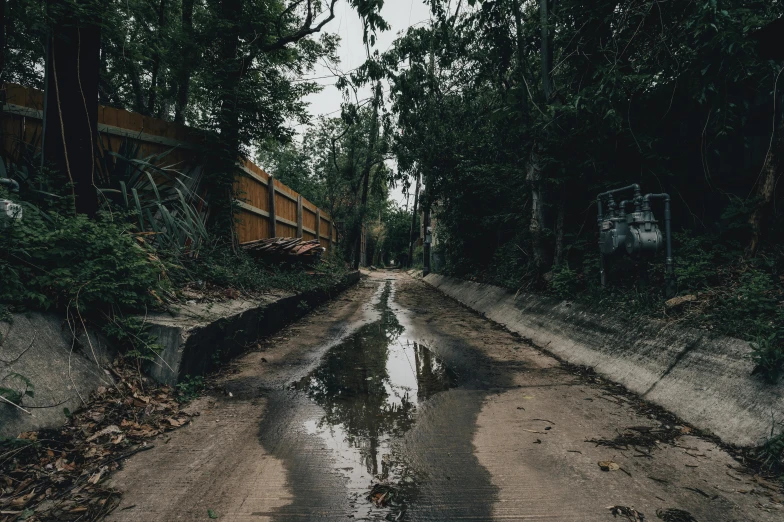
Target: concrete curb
point(198, 339)
point(702, 378)
point(41, 348)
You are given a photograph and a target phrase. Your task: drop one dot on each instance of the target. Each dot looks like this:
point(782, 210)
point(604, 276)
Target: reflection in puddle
point(369, 387)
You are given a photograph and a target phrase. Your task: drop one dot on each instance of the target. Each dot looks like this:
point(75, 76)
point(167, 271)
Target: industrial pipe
point(611, 207)
point(634, 186)
point(10, 182)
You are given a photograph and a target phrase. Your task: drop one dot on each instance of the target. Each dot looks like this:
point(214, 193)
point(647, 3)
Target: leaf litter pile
point(59, 474)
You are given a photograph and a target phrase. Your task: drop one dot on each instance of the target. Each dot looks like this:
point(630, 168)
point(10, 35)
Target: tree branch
point(306, 29)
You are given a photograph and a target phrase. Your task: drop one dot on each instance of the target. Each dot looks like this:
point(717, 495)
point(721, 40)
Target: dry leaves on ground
point(59, 474)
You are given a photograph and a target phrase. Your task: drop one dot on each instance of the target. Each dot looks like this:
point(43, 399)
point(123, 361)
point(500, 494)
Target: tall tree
point(71, 116)
point(160, 40)
point(186, 63)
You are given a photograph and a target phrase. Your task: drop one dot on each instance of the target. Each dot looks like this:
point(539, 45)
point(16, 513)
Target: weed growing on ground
point(190, 388)
point(770, 455)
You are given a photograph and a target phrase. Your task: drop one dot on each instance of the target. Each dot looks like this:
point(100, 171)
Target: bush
point(564, 282)
point(57, 261)
point(748, 304)
point(768, 355)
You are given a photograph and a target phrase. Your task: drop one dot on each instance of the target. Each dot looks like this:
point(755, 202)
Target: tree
point(71, 118)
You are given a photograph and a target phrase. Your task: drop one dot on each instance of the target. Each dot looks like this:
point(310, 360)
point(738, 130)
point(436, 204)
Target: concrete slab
point(704, 379)
point(61, 369)
point(201, 336)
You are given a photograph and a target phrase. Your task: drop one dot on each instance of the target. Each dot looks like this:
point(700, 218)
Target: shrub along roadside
point(107, 274)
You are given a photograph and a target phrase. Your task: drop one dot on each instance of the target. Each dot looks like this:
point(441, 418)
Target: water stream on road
point(370, 386)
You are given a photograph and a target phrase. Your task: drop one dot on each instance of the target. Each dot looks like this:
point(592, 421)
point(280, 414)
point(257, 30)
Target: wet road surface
point(396, 403)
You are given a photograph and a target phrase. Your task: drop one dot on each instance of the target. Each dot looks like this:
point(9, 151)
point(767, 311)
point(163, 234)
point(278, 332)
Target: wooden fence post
point(273, 216)
point(318, 224)
point(299, 216)
point(329, 248)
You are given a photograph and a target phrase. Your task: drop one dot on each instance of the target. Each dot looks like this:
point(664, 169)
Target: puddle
point(370, 387)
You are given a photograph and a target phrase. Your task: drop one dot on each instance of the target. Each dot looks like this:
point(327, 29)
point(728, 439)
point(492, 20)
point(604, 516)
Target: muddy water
point(370, 387)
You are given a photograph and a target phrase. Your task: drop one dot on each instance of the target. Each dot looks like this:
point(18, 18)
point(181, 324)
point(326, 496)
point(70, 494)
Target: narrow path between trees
point(396, 403)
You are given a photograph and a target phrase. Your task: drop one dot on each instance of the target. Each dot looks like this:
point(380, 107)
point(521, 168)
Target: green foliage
point(223, 268)
point(14, 387)
point(749, 305)
point(131, 335)
point(190, 388)
point(696, 267)
point(564, 281)
point(158, 195)
point(767, 352)
point(72, 261)
point(771, 454)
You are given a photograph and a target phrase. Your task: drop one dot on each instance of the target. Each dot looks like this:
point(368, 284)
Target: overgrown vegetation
point(134, 257)
point(517, 114)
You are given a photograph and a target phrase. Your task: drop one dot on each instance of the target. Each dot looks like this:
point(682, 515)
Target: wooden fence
point(294, 216)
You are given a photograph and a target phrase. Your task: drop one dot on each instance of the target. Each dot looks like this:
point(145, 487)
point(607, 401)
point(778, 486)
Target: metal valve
point(636, 233)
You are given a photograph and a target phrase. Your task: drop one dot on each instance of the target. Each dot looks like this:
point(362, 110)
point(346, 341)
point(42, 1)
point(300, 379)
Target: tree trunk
point(186, 62)
point(136, 86)
point(414, 232)
point(224, 154)
point(366, 170)
point(559, 228)
point(520, 61)
point(534, 174)
point(361, 219)
point(534, 178)
point(546, 50)
point(2, 68)
point(765, 191)
point(71, 117)
point(156, 62)
point(428, 238)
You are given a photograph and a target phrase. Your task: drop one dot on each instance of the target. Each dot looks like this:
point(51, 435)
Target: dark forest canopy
point(513, 115)
point(516, 114)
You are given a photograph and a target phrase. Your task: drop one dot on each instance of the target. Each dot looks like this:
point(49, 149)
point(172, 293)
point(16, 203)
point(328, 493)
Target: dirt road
point(449, 417)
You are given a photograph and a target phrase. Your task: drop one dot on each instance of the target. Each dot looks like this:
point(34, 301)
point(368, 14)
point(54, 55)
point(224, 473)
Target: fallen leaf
point(106, 431)
point(97, 476)
point(144, 431)
point(630, 513)
point(19, 502)
point(608, 465)
point(62, 465)
point(175, 422)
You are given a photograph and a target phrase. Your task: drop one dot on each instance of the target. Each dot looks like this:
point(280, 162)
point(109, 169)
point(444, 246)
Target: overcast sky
point(400, 14)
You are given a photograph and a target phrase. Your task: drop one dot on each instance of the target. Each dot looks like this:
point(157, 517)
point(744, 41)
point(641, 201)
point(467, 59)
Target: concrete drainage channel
point(196, 340)
point(702, 378)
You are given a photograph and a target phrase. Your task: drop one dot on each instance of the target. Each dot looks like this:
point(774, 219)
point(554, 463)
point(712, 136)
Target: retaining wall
point(703, 378)
point(64, 369)
point(199, 338)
